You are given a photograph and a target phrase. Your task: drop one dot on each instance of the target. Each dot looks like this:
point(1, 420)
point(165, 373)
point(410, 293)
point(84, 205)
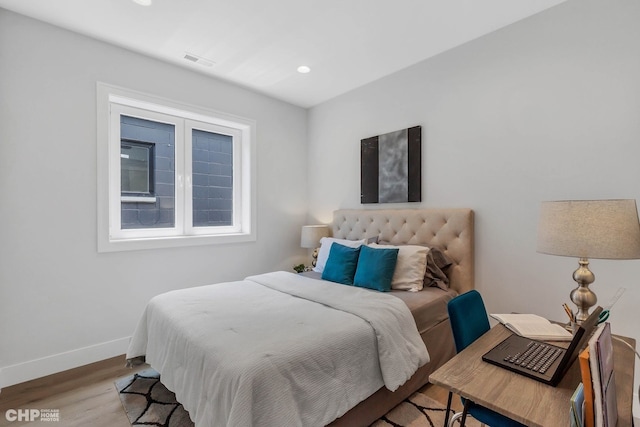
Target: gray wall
point(62, 304)
point(546, 109)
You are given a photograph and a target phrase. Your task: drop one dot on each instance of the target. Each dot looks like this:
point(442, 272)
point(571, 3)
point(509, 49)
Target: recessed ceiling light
point(303, 69)
point(143, 2)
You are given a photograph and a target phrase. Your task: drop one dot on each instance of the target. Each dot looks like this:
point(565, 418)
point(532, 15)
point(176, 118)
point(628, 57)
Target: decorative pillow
point(325, 247)
point(410, 268)
point(372, 239)
point(375, 268)
point(437, 265)
point(341, 264)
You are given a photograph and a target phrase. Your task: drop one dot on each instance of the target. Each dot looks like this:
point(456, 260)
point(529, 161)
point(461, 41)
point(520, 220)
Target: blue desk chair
point(468, 317)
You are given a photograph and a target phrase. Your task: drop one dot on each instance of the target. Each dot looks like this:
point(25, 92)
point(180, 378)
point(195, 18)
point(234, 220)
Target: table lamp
point(602, 229)
point(310, 238)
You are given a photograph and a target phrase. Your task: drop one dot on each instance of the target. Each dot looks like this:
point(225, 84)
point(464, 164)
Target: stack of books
point(594, 402)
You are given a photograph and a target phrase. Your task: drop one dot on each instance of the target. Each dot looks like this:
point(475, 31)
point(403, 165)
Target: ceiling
point(259, 44)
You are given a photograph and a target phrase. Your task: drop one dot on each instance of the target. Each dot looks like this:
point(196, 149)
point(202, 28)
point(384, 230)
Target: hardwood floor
point(86, 396)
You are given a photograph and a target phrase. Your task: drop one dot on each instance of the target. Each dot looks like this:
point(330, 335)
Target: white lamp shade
point(606, 229)
point(311, 235)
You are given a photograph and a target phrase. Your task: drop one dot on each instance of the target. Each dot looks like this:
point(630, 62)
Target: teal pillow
point(375, 268)
point(341, 264)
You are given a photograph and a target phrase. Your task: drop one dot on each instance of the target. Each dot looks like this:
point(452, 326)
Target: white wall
point(546, 109)
point(62, 304)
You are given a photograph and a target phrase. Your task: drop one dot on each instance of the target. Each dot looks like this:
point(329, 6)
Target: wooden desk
point(523, 399)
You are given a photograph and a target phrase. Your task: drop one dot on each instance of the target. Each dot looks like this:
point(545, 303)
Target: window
point(137, 177)
point(174, 175)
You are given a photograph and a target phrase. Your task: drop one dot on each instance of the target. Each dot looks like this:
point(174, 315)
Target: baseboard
point(27, 371)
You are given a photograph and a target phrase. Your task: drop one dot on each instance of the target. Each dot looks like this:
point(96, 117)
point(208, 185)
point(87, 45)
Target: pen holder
point(571, 327)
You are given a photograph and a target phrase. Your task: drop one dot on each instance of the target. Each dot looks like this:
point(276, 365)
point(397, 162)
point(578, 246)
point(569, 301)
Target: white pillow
point(410, 267)
point(325, 247)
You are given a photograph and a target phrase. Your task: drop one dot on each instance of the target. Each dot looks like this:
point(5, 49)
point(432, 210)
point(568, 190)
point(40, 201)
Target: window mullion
point(188, 168)
point(183, 178)
point(238, 185)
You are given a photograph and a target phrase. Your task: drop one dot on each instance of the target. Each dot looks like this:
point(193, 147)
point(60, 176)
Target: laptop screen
point(589, 325)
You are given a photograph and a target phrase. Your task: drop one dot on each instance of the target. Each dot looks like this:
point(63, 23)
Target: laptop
point(539, 360)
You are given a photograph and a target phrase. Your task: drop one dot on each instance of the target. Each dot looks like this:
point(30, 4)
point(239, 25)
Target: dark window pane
point(212, 164)
point(158, 139)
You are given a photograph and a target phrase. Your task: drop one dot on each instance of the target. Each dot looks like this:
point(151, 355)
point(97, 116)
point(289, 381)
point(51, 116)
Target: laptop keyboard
point(538, 357)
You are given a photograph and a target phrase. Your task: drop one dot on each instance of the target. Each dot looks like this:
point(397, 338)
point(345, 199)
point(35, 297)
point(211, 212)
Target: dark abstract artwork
point(391, 167)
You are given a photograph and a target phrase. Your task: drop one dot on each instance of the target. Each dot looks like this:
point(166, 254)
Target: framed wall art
point(391, 170)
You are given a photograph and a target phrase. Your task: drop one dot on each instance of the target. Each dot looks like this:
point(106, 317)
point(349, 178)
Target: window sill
point(129, 244)
point(138, 199)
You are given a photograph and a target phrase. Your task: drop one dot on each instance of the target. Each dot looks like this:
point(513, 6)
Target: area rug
point(148, 402)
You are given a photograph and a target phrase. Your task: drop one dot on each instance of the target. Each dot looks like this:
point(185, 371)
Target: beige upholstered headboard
point(448, 229)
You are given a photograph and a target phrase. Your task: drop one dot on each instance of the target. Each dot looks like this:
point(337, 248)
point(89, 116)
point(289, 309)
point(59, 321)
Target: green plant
point(299, 268)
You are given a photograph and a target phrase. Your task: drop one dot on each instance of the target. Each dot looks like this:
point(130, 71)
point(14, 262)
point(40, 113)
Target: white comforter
point(278, 349)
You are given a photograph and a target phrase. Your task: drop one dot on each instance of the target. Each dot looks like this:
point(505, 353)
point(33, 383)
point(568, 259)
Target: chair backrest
point(468, 317)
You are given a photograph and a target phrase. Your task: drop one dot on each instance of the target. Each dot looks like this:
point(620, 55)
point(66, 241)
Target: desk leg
point(464, 412)
point(446, 415)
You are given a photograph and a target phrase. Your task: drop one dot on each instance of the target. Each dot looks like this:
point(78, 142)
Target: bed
point(325, 357)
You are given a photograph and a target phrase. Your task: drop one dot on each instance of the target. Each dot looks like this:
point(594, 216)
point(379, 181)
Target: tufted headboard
point(449, 229)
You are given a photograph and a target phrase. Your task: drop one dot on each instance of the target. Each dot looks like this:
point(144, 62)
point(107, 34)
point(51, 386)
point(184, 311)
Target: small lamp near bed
point(310, 238)
point(602, 229)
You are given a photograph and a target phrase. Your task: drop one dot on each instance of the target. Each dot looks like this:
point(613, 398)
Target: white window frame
point(114, 101)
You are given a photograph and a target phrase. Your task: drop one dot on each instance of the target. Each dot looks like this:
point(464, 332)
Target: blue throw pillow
point(375, 268)
point(341, 264)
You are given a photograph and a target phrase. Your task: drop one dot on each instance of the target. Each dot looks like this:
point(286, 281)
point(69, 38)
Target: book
point(577, 406)
point(585, 372)
point(598, 413)
point(534, 327)
point(604, 347)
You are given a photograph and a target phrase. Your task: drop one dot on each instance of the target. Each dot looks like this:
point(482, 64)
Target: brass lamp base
point(582, 296)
